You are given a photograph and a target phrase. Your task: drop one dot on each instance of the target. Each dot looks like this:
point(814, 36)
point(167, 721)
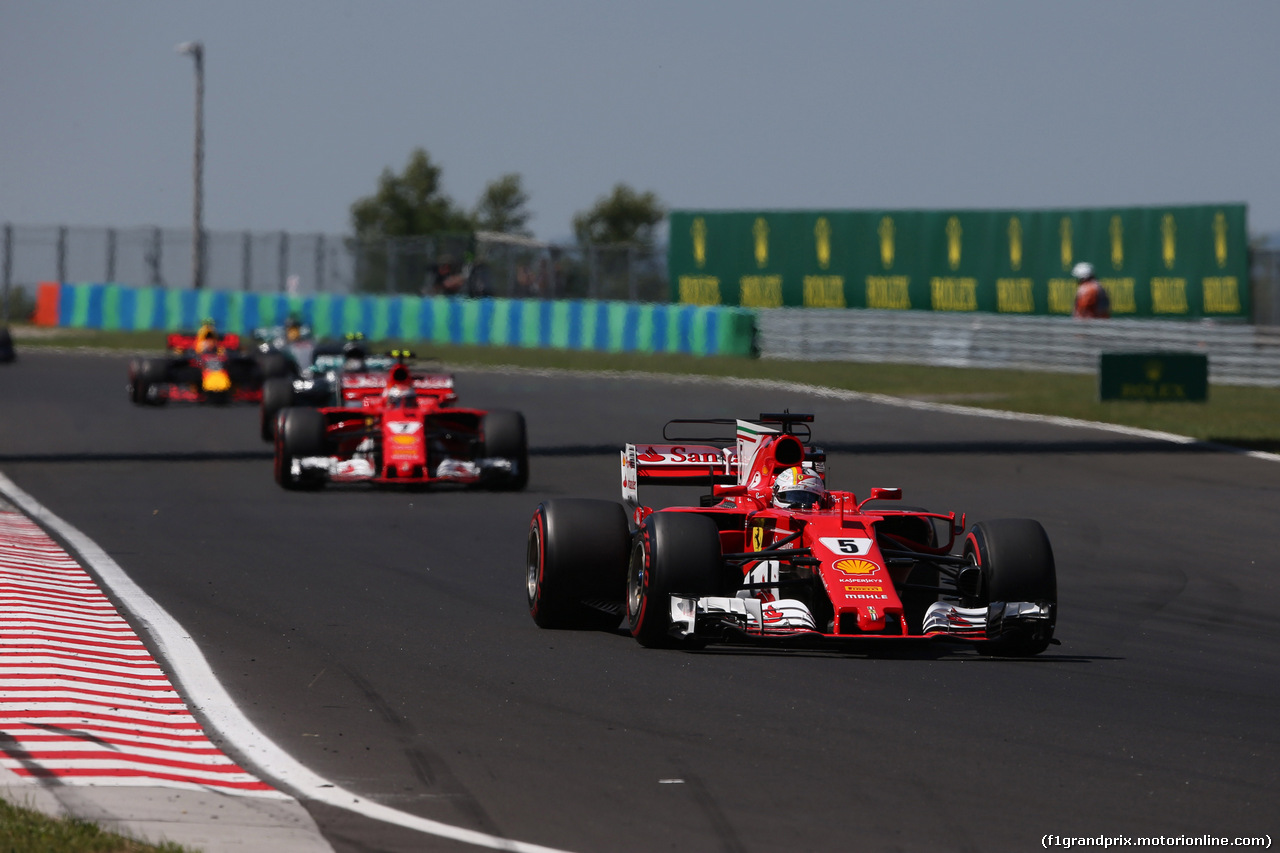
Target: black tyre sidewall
point(674, 552)
point(580, 549)
point(505, 437)
point(1017, 565)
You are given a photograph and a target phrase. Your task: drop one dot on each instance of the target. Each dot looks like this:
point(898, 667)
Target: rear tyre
point(277, 394)
point(504, 436)
point(299, 433)
point(1017, 565)
point(576, 565)
point(274, 364)
point(674, 552)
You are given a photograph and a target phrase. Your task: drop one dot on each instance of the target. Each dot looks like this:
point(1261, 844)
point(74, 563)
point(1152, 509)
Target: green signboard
point(1153, 376)
point(1171, 262)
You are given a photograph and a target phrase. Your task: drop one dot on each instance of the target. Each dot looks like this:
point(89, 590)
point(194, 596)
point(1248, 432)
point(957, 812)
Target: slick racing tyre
point(274, 364)
point(277, 394)
point(504, 437)
point(576, 565)
point(1017, 565)
point(674, 552)
point(144, 375)
point(300, 434)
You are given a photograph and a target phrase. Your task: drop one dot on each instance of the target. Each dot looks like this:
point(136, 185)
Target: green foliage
point(24, 831)
point(409, 204)
point(502, 207)
point(623, 216)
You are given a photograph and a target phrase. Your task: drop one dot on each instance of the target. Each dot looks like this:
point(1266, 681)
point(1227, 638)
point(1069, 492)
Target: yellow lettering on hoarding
point(1168, 295)
point(889, 291)
point(1014, 296)
point(1120, 290)
point(886, 232)
point(699, 290)
point(760, 291)
point(698, 231)
point(822, 241)
point(954, 294)
point(824, 291)
point(1221, 295)
point(1117, 242)
point(955, 233)
point(760, 230)
point(1015, 243)
point(1062, 295)
point(1220, 238)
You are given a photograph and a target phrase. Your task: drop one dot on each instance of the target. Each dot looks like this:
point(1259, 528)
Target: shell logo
point(855, 567)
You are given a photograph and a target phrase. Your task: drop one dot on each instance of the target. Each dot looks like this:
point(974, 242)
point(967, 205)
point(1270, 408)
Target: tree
point(409, 204)
point(624, 216)
point(502, 207)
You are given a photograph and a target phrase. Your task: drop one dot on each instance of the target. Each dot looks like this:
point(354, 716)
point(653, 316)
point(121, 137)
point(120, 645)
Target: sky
point(741, 105)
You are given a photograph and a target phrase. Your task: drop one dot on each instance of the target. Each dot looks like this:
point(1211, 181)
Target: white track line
point(203, 691)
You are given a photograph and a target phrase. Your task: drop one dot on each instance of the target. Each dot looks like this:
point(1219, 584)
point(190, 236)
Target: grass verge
point(26, 831)
point(1242, 416)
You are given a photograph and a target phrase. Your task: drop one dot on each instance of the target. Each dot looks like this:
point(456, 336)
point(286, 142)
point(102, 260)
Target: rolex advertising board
point(1170, 262)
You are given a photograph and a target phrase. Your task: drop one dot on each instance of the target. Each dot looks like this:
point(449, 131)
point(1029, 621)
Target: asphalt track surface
point(382, 637)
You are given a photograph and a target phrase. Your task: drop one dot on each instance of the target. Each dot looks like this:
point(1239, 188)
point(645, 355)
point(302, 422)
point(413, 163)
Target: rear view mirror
point(879, 494)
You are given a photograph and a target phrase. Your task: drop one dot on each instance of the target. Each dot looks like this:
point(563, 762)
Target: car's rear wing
point(675, 465)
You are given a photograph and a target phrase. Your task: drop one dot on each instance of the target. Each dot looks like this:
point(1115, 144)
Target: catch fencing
point(483, 264)
point(1239, 354)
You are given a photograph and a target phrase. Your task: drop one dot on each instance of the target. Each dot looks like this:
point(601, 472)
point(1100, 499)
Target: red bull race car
point(771, 556)
point(201, 367)
point(399, 427)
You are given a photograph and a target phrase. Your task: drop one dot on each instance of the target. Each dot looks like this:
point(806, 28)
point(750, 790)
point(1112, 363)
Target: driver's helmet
point(352, 356)
point(401, 397)
point(1082, 271)
point(207, 335)
point(293, 328)
point(796, 488)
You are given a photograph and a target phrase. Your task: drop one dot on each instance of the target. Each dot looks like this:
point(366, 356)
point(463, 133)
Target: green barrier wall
point(573, 325)
point(1168, 262)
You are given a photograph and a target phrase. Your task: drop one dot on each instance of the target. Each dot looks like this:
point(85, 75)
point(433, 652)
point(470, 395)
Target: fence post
point(111, 255)
point(284, 260)
point(62, 254)
point(592, 288)
point(8, 267)
point(319, 263)
point(154, 257)
point(246, 262)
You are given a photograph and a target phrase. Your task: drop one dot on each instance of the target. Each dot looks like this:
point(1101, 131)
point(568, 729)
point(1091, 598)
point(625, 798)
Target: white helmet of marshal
point(1082, 271)
point(796, 488)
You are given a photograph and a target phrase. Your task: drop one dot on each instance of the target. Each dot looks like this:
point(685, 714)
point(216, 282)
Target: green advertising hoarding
point(1170, 262)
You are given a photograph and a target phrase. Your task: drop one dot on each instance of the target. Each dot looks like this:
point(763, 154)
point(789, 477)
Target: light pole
point(196, 51)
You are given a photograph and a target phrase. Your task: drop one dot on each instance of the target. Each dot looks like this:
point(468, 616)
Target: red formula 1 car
point(399, 427)
point(202, 367)
point(771, 556)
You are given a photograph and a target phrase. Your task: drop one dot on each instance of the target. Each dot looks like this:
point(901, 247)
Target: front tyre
point(299, 434)
point(504, 437)
point(674, 552)
point(1016, 560)
point(576, 563)
point(277, 394)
